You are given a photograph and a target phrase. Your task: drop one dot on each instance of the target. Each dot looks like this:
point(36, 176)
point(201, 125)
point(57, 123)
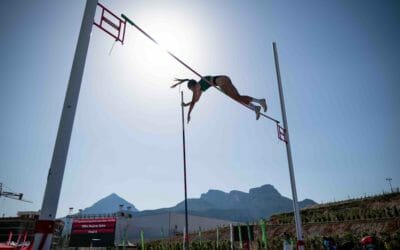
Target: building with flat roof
point(161, 225)
point(22, 228)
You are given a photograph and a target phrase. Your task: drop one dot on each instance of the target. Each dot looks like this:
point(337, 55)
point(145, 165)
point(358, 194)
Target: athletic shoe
point(257, 110)
point(263, 103)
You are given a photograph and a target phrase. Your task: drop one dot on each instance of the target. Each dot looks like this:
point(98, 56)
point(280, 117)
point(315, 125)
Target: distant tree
point(395, 211)
point(259, 244)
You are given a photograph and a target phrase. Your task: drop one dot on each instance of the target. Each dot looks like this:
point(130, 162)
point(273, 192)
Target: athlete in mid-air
point(224, 83)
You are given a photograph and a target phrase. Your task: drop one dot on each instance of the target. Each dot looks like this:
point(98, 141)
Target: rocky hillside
point(260, 202)
point(109, 204)
point(379, 207)
point(346, 222)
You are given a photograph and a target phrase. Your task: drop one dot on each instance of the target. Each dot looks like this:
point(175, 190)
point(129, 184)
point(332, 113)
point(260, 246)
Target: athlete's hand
point(188, 119)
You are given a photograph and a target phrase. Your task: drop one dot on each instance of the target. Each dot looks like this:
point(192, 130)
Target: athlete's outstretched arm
point(195, 98)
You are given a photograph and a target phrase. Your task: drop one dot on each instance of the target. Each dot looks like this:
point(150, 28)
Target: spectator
point(329, 243)
point(367, 243)
point(287, 242)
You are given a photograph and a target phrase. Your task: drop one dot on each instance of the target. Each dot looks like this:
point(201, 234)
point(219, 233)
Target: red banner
point(93, 226)
point(94, 231)
point(99, 220)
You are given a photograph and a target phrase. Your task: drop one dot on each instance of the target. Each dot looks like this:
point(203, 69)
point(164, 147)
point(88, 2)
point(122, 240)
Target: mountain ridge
point(258, 202)
point(109, 204)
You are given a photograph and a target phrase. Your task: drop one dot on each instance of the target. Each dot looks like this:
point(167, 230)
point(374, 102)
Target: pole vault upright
point(186, 233)
point(300, 243)
point(45, 226)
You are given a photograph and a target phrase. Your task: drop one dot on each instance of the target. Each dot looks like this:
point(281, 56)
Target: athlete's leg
point(228, 88)
point(225, 84)
point(262, 102)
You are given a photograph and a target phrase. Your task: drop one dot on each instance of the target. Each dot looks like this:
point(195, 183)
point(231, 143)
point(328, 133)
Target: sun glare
point(152, 68)
point(172, 36)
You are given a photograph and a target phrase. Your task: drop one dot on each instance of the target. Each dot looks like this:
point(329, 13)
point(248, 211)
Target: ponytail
point(179, 82)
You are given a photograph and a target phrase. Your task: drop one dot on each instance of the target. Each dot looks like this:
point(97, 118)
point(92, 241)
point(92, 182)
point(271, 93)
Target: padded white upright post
point(300, 242)
point(45, 225)
point(231, 235)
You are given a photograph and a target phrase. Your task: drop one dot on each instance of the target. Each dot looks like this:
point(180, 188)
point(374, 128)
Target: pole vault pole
point(184, 64)
point(45, 225)
point(300, 243)
point(186, 239)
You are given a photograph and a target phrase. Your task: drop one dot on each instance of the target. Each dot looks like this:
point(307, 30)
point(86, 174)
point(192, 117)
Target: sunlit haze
point(339, 64)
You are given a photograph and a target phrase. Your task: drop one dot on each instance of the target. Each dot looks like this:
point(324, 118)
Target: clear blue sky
point(340, 64)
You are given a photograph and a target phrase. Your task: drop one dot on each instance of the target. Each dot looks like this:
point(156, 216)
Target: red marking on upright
point(281, 133)
point(111, 24)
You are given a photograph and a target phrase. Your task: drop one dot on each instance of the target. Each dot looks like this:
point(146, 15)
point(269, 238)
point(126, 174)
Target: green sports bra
point(204, 85)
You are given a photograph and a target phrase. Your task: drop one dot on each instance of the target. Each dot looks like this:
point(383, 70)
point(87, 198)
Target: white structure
point(45, 225)
point(162, 225)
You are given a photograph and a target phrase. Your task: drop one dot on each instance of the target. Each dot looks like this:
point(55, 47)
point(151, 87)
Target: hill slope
point(109, 204)
point(236, 205)
point(260, 202)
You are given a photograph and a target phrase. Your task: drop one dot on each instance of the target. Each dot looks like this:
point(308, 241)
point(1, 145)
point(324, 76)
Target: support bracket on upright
point(111, 24)
point(281, 133)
